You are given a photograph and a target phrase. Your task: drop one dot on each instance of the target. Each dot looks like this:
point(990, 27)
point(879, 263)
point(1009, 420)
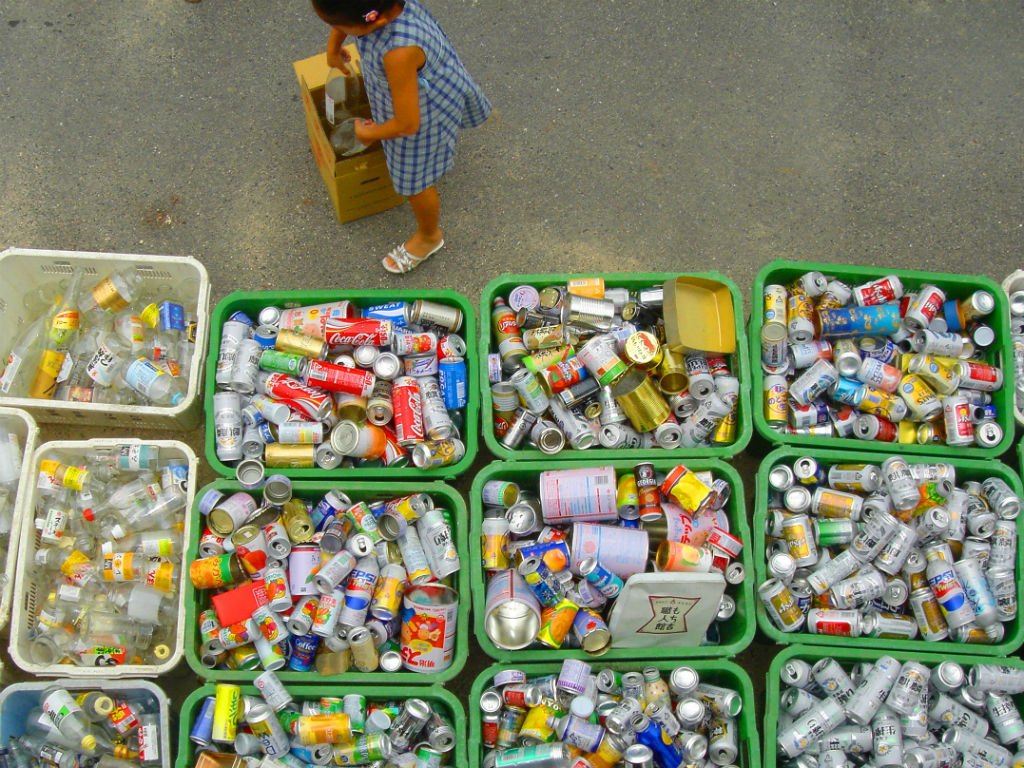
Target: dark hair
point(351, 11)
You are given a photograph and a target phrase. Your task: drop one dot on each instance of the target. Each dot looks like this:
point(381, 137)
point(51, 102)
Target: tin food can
point(429, 619)
point(217, 571)
point(623, 551)
point(587, 312)
point(640, 399)
point(578, 495)
point(511, 612)
point(601, 360)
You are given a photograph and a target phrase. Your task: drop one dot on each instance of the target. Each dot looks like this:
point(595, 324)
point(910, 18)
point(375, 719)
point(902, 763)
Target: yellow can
point(298, 455)
point(334, 728)
point(586, 286)
point(535, 724)
point(227, 711)
point(300, 344)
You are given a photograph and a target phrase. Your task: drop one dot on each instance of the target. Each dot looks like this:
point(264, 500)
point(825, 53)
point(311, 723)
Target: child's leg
point(427, 207)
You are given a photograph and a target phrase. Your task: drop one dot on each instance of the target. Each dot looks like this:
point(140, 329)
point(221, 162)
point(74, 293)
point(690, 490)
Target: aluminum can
point(776, 391)
point(622, 551)
point(226, 712)
point(810, 727)
point(512, 613)
point(408, 418)
point(313, 403)
point(880, 291)
point(781, 605)
point(879, 375)
point(872, 690)
point(814, 382)
point(881, 320)
point(799, 317)
point(357, 332)
point(232, 332)
point(578, 495)
point(805, 355)
point(227, 425)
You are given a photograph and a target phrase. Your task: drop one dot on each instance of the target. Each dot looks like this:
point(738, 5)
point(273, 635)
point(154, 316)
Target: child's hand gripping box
point(358, 185)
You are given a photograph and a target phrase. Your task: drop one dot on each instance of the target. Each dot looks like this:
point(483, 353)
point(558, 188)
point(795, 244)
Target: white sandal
point(400, 261)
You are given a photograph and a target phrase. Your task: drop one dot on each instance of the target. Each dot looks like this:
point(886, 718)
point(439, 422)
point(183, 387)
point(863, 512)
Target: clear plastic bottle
point(14, 379)
point(67, 717)
point(153, 382)
point(35, 746)
point(111, 294)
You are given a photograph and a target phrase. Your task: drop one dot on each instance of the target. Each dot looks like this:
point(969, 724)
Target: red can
point(926, 304)
point(357, 332)
point(451, 346)
point(981, 376)
point(340, 378)
point(719, 365)
point(394, 454)
point(408, 405)
point(562, 375)
point(297, 396)
point(403, 343)
point(880, 291)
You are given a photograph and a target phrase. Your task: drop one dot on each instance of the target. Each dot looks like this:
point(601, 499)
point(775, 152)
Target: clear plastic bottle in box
point(108, 562)
point(120, 341)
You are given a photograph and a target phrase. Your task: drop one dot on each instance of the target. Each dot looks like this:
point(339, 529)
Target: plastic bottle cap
point(162, 652)
point(88, 742)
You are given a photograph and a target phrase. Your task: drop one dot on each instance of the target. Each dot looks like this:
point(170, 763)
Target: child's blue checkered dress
point(449, 98)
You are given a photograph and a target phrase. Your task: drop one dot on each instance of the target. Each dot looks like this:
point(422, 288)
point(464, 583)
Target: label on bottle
point(75, 564)
point(14, 362)
point(161, 547)
point(161, 577)
point(149, 743)
point(45, 382)
point(123, 718)
point(141, 375)
point(135, 330)
point(63, 327)
point(102, 655)
point(69, 593)
point(118, 566)
point(65, 369)
point(100, 367)
point(53, 526)
point(107, 297)
point(47, 480)
point(59, 705)
point(150, 315)
point(51, 754)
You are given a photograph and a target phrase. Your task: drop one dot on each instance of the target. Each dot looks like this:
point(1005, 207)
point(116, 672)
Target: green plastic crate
point(444, 496)
point(966, 469)
point(501, 286)
point(736, 634)
point(715, 672)
point(957, 286)
point(846, 656)
point(252, 302)
point(434, 695)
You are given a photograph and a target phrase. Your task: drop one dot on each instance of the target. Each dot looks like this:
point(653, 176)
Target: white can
point(578, 495)
point(429, 623)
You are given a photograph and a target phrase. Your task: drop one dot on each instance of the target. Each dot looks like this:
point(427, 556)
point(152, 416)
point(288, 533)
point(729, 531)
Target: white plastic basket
point(25, 599)
point(22, 268)
point(24, 426)
point(1014, 282)
point(18, 699)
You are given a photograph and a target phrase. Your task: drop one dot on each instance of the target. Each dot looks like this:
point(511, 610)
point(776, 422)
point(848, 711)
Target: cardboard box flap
point(312, 72)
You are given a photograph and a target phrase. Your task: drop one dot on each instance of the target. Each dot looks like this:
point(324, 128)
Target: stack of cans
point(333, 385)
point(899, 713)
point(275, 729)
point(878, 362)
point(585, 365)
point(330, 583)
point(558, 553)
point(890, 550)
point(578, 717)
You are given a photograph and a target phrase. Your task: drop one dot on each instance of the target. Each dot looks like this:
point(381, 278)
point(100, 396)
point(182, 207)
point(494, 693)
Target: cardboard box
point(359, 185)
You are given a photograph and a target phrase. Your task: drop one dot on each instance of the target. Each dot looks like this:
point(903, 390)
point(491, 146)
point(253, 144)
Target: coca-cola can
point(296, 395)
point(451, 346)
point(357, 332)
point(408, 407)
point(340, 378)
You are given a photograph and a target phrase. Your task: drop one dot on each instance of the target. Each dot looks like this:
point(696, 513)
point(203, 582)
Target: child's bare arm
point(400, 66)
point(337, 56)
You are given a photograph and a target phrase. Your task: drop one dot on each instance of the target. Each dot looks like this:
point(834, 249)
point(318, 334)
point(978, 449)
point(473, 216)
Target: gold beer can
point(296, 455)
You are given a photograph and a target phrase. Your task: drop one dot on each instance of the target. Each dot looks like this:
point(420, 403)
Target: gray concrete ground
point(627, 136)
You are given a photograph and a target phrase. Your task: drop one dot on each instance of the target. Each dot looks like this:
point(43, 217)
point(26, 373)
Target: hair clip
point(370, 16)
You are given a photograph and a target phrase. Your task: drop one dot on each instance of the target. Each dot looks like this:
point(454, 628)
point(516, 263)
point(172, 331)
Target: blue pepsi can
point(202, 729)
point(395, 311)
point(847, 391)
point(172, 316)
point(241, 317)
point(304, 649)
point(984, 412)
point(377, 508)
point(454, 382)
point(879, 320)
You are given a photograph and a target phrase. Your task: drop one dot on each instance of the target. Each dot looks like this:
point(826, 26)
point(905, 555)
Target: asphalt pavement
point(666, 135)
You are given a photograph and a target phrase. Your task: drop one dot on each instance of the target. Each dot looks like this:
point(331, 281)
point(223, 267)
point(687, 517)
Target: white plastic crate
point(25, 598)
point(18, 699)
point(23, 268)
point(24, 426)
point(1014, 282)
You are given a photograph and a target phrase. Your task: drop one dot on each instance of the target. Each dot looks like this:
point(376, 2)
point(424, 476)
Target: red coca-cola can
point(357, 332)
point(408, 406)
point(340, 378)
point(297, 396)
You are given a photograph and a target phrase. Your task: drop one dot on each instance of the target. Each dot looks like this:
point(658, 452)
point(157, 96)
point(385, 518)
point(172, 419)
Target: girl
point(420, 95)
